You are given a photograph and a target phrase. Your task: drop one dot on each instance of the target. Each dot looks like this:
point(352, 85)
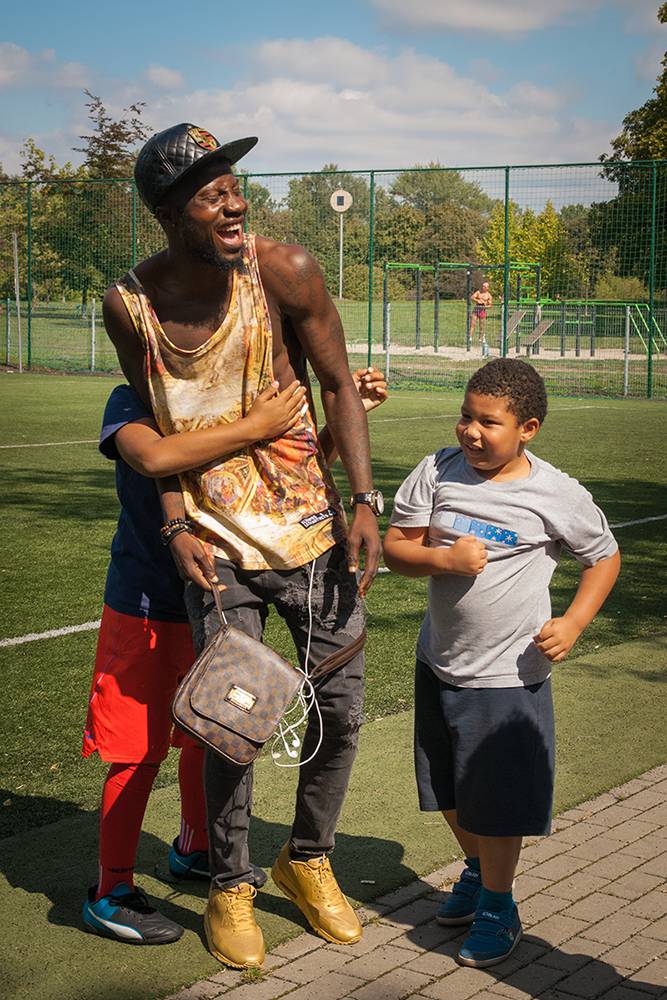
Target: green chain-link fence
point(575, 257)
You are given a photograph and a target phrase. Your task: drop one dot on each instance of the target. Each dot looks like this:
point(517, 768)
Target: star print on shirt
point(482, 529)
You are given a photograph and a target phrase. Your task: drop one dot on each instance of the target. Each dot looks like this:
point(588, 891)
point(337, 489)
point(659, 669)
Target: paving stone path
point(593, 902)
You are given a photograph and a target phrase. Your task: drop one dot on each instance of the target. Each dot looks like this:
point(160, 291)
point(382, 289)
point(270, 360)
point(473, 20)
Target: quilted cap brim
point(205, 169)
point(159, 180)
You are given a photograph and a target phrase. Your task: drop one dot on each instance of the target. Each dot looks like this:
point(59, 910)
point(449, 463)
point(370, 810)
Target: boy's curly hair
point(518, 381)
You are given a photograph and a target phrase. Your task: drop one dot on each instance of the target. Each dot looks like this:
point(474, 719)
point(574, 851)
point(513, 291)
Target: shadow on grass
point(56, 866)
point(82, 495)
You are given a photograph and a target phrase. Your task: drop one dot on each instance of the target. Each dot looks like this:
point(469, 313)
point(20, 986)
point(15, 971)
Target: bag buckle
point(241, 698)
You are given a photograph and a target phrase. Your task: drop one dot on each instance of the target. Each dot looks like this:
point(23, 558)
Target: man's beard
point(202, 250)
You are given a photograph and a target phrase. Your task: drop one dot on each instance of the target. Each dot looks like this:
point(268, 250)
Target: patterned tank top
point(272, 505)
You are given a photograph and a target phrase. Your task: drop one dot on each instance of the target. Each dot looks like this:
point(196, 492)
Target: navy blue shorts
point(488, 753)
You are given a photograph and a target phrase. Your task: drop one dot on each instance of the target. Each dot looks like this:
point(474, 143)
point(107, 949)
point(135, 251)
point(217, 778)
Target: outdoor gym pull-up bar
point(518, 267)
point(386, 319)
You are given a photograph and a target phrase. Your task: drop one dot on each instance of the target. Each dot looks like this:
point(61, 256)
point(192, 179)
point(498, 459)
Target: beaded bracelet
point(173, 528)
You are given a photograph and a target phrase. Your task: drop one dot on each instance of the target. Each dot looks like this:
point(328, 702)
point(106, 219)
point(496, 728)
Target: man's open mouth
point(230, 236)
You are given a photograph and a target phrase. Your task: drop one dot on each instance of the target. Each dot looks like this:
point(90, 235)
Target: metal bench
point(532, 340)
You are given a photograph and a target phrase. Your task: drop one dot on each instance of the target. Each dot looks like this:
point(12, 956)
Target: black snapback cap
point(179, 153)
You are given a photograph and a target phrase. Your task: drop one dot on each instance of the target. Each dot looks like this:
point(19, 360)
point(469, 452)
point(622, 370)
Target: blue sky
point(382, 83)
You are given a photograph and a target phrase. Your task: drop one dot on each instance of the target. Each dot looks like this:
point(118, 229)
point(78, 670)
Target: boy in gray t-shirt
point(487, 522)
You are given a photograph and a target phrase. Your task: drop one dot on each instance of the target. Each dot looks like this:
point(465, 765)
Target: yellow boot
point(313, 887)
point(231, 932)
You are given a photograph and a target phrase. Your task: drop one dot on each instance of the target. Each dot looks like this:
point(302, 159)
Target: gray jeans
point(338, 620)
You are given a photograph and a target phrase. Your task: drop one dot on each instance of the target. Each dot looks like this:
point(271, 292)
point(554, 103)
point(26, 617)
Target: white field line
point(49, 444)
point(439, 416)
point(52, 633)
point(640, 520)
point(89, 626)
point(376, 420)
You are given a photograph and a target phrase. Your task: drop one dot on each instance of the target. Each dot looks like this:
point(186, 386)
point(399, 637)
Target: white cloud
point(484, 70)
point(641, 16)
point(508, 18)
point(511, 17)
point(647, 65)
point(334, 59)
point(9, 158)
point(529, 95)
point(14, 63)
point(72, 75)
point(355, 107)
point(19, 67)
point(162, 76)
point(359, 108)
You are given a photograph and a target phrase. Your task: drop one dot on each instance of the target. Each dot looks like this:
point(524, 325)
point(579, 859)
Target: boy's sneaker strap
point(492, 938)
point(460, 905)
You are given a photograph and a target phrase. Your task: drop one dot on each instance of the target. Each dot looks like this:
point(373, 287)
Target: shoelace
point(240, 908)
point(136, 901)
point(326, 886)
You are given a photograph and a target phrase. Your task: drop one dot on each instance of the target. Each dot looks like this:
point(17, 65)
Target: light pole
point(340, 201)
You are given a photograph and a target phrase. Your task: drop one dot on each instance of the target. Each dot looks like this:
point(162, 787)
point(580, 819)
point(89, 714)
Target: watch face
point(374, 500)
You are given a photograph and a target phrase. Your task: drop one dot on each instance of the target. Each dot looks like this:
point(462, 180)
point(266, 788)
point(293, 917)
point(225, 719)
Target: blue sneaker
point(195, 866)
point(493, 937)
point(461, 904)
point(125, 915)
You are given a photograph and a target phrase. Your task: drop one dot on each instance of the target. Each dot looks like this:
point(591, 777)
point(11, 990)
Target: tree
point(539, 238)
point(620, 227)
point(644, 132)
point(37, 166)
point(111, 148)
point(100, 228)
point(425, 188)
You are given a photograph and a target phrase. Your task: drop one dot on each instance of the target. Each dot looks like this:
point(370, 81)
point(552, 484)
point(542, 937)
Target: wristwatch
point(373, 498)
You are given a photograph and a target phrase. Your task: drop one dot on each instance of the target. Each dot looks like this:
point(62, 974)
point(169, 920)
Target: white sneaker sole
point(486, 963)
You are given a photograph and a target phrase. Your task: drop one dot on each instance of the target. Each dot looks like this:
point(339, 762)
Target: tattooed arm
point(300, 303)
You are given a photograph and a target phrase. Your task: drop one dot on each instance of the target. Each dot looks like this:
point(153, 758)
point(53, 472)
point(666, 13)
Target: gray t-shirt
point(478, 631)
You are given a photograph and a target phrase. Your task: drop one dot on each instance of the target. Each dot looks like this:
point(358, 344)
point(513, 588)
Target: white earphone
point(305, 700)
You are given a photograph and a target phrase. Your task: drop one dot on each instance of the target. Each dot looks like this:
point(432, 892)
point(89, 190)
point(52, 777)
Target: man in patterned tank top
point(200, 329)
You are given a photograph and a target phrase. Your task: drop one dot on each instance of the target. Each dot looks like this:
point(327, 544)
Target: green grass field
point(59, 514)
point(60, 511)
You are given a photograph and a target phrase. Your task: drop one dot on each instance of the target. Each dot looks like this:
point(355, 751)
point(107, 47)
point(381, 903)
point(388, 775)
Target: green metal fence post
point(385, 305)
point(436, 306)
point(563, 332)
point(29, 283)
point(651, 284)
point(8, 327)
point(506, 263)
point(245, 198)
point(134, 224)
point(371, 262)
